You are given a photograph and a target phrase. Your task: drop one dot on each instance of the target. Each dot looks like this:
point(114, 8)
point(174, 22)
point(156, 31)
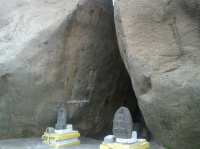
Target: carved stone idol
point(91, 80)
point(62, 119)
point(122, 124)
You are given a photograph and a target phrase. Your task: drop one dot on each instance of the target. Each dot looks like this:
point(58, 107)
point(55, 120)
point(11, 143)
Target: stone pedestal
point(62, 137)
point(112, 142)
point(123, 137)
point(140, 144)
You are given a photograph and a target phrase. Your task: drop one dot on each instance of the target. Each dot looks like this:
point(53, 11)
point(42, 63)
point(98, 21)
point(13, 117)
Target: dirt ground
point(36, 143)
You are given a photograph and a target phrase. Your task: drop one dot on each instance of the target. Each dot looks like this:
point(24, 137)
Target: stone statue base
point(122, 133)
point(62, 137)
point(59, 126)
point(140, 144)
point(111, 142)
point(112, 138)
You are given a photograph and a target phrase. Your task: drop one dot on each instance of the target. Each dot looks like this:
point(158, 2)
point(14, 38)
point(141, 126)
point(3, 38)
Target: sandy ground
point(36, 143)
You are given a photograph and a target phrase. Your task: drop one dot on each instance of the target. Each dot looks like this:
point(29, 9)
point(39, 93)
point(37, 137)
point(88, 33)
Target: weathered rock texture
point(159, 44)
point(53, 53)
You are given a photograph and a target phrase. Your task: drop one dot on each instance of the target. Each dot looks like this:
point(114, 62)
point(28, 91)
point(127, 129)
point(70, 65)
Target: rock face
point(159, 44)
point(59, 53)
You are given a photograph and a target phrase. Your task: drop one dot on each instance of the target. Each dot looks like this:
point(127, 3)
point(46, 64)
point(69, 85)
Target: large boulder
point(59, 53)
point(159, 44)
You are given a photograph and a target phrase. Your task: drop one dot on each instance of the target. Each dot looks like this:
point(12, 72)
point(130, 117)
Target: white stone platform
point(112, 139)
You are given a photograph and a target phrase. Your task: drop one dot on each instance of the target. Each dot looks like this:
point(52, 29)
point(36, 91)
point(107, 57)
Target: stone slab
point(122, 123)
point(61, 119)
point(128, 141)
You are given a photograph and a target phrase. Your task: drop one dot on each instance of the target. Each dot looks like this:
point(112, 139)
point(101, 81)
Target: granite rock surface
point(159, 44)
point(59, 53)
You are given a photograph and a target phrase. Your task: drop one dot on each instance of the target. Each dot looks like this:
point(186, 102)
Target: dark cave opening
point(124, 95)
point(125, 89)
point(139, 124)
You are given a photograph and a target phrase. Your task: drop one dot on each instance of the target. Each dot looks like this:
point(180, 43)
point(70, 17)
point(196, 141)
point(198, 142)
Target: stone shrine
point(63, 133)
point(123, 134)
point(62, 119)
point(122, 123)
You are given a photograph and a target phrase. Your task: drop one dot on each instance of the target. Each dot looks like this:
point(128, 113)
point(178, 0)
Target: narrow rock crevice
point(125, 89)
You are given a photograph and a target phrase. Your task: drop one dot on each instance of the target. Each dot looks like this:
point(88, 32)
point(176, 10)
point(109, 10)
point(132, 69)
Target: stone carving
point(122, 123)
point(62, 119)
point(91, 80)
